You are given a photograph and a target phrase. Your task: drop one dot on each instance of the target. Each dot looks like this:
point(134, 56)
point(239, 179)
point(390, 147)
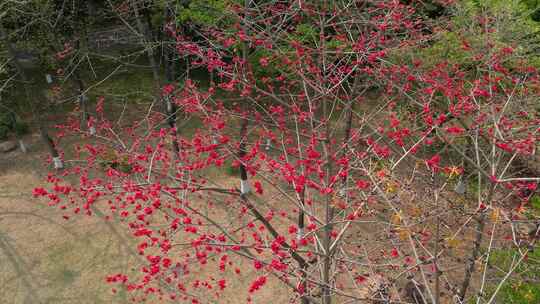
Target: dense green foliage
point(487, 25)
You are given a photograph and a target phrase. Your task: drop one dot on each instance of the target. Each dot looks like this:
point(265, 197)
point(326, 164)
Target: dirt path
point(47, 259)
point(44, 258)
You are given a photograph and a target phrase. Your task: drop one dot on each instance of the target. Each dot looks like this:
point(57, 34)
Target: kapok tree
point(364, 174)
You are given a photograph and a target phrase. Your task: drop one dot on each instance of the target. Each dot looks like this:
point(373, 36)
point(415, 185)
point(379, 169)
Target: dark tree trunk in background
point(169, 59)
point(144, 27)
point(244, 184)
point(348, 123)
point(81, 45)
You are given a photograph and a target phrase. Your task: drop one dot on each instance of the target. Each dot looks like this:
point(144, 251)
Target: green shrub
point(4, 130)
point(7, 119)
point(20, 128)
point(520, 293)
point(10, 123)
point(524, 285)
point(535, 202)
